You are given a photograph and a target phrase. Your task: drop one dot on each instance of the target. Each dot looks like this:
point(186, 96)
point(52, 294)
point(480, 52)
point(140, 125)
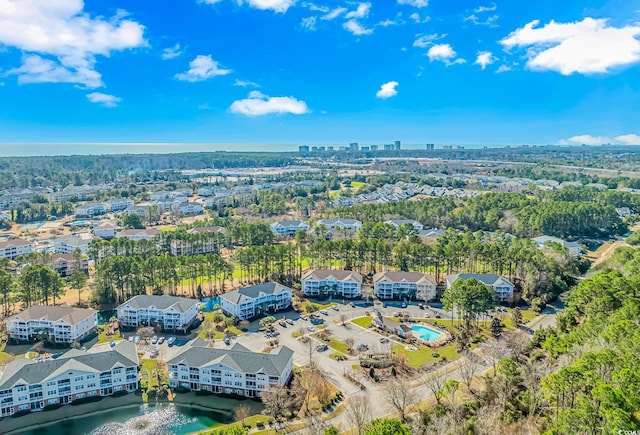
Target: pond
point(167, 419)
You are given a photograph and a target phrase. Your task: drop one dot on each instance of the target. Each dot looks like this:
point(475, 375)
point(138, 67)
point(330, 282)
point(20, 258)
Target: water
point(425, 333)
point(134, 420)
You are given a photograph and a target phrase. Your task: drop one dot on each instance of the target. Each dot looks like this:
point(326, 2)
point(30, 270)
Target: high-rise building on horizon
point(303, 149)
point(388, 147)
point(373, 147)
point(353, 146)
point(396, 145)
point(431, 147)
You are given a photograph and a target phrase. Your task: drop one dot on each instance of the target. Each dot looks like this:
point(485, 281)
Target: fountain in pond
point(158, 421)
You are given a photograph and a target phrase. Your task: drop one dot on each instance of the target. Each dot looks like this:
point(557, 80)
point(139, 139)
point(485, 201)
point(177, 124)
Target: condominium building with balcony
point(288, 228)
point(170, 311)
point(31, 385)
point(323, 282)
point(404, 285)
point(58, 324)
point(254, 300)
point(15, 247)
point(235, 371)
point(502, 286)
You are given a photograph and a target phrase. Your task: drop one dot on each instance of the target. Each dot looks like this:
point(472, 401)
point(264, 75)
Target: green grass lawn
point(336, 345)
point(148, 366)
point(527, 315)
point(425, 355)
point(365, 321)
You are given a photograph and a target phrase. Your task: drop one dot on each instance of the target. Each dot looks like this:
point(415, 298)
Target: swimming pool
point(425, 333)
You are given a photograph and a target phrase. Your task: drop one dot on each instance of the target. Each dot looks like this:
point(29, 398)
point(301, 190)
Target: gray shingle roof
point(338, 221)
point(339, 275)
point(289, 223)
point(489, 279)
point(237, 358)
point(407, 276)
point(69, 314)
point(162, 302)
point(98, 359)
point(254, 291)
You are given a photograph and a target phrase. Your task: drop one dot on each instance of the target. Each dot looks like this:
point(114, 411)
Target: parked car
point(137, 339)
point(384, 340)
point(289, 321)
point(131, 339)
point(352, 305)
point(282, 323)
point(171, 340)
point(305, 318)
point(322, 347)
point(311, 328)
point(366, 313)
point(325, 312)
point(227, 341)
point(113, 343)
point(335, 308)
point(154, 340)
point(404, 305)
point(161, 340)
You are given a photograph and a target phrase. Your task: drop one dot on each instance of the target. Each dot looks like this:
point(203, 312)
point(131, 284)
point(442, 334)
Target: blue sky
point(334, 71)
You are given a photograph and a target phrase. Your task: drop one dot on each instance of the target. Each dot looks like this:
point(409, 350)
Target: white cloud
point(356, 28)
point(586, 139)
point(484, 58)
point(489, 21)
point(60, 41)
point(333, 14)
point(202, 68)
point(245, 84)
point(416, 18)
point(414, 3)
point(503, 68)
point(104, 99)
point(629, 139)
point(426, 40)
point(481, 9)
point(172, 52)
point(309, 23)
point(585, 47)
point(362, 11)
point(444, 53)
point(259, 104)
point(279, 6)
point(387, 90)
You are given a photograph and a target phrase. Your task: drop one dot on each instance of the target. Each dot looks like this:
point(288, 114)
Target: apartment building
point(255, 300)
point(404, 285)
point(89, 210)
point(106, 230)
point(323, 282)
point(189, 208)
point(502, 286)
point(229, 371)
point(170, 311)
point(288, 228)
point(68, 244)
point(397, 222)
point(141, 234)
point(30, 385)
point(543, 241)
point(343, 224)
point(66, 264)
point(118, 204)
point(15, 247)
point(60, 324)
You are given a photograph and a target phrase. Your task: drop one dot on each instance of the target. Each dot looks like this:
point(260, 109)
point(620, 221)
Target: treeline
point(120, 277)
point(596, 347)
point(510, 212)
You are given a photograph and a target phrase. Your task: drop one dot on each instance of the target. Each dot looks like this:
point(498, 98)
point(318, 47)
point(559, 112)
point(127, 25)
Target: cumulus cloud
point(586, 139)
point(414, 3)
point(356, 28)
point(309, 23)
point(424, 41)
point(259, 104)
point(60, 41)
point(415, 17)
point(172, 52)
point(478, 21)
point(333, 14)
point(387, 90)
point(444, 53)
point(362, 11)
point(278, 6)
point(245, 84)
point(503, 68)
point(202, 68)
point(585, 47)
point(629, 139)
point(481, 9)
point(104, 99)
point(484, 58)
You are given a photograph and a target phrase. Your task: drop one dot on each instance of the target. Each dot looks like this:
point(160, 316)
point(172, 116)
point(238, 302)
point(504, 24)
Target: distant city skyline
point(287, 71)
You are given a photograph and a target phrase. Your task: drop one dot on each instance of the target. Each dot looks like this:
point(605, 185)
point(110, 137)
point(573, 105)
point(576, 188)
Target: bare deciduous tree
point(276, 402)
point(343, 319)
point(469, 369)
point(241, 413)
point(358, 411)
point(519, 343)
point(399, 394)
point(495, 353)
point(350, 342)
point(435, 384)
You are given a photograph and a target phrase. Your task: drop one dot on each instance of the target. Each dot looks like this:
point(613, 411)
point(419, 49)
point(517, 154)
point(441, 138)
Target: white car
point(311, 328)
